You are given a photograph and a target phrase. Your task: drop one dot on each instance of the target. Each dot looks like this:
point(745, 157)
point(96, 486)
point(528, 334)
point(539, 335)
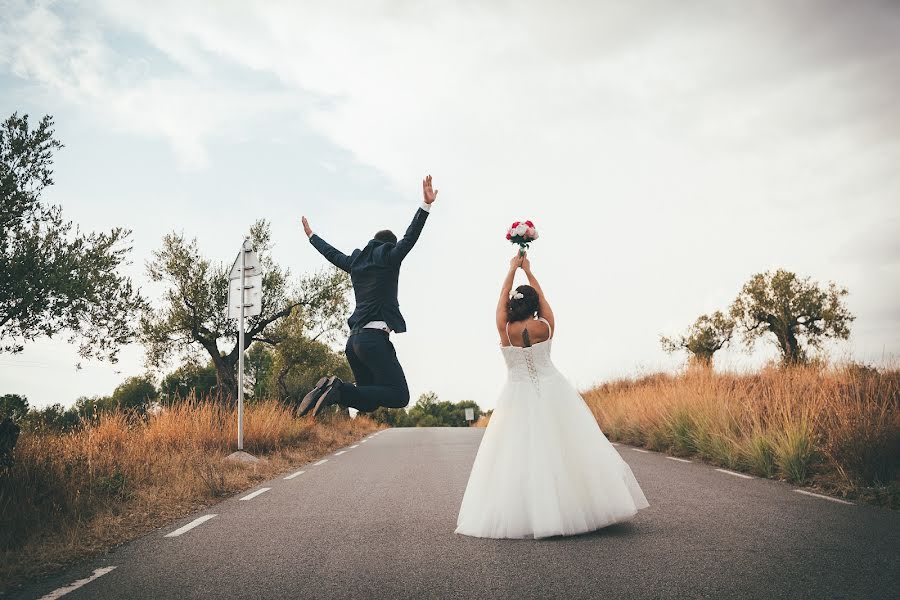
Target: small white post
point(241, 351)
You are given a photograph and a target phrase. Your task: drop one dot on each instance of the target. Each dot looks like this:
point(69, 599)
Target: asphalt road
point(377, 520)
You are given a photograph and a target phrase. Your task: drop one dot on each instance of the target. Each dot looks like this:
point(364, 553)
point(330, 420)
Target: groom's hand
point(427, 191)
point(306, 228)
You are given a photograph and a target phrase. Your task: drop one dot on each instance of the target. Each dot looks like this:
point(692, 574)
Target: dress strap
point(539, 319)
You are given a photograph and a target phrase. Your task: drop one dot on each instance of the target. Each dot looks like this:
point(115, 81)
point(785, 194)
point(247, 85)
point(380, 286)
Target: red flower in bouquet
point(522, 233)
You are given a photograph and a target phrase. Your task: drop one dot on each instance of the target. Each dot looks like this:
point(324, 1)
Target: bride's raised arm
point(544, 309)
point(514, 264)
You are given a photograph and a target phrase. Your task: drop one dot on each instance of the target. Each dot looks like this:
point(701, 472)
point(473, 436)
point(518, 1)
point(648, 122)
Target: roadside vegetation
point(833, 428)
point(74, 493)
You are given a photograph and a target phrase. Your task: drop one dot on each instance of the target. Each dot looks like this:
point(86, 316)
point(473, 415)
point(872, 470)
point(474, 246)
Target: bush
point(53, 418)
point(428, 411)
point(13, 406)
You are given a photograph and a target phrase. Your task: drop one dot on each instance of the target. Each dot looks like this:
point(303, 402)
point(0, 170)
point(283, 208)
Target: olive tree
point(191, 316)
point(709, 334)
point(53, 278)
point(795, 313)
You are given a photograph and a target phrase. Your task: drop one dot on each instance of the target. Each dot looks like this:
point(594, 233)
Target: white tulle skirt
point(544, 468)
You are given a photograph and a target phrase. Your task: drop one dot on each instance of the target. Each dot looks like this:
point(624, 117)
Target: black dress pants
point(379, 377)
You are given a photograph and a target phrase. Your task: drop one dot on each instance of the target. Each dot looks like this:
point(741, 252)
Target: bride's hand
point(515, 263)
point(526, 264)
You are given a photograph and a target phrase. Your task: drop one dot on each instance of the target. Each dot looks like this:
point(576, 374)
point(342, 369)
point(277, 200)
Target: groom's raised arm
point(331, 254)
point(399, 252)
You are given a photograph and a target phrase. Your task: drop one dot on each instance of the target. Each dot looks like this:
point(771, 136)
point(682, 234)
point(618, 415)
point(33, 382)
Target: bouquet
point(522, 233)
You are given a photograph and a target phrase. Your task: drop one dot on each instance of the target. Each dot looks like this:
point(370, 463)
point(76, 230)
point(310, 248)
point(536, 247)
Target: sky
point(665, 151)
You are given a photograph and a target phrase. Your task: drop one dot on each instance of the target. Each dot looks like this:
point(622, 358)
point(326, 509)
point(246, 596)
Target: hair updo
point(519, 309)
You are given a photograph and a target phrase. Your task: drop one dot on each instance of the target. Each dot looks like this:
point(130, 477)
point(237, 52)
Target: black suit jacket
point(375, 272)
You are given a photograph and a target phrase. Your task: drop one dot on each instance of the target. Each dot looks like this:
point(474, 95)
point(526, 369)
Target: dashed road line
point(829, 498)
point(364, 441)
point(292, 475)
point(77, 584)
point(355, 446)
point(321, 462)
point(735, 474)
point(640, 450)
point(339, 453)
point(191, 525)
point(678, 459)
point(253, 495)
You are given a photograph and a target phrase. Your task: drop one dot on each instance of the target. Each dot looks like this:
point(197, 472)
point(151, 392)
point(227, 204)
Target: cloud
point(73, 56)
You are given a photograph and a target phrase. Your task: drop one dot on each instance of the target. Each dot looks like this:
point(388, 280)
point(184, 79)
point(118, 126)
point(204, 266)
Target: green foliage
point(13, 406)
point(189, 379)
point(13, 409)
point(192, 314)
point(52, 418)
point(708, 335)
point(89, 408)
point(135, 395)
point(794, 451)
point(428, 411)
point(259, 364)
point(299, 358)
point(53, 278)
point(9, 435)
point(797, 313)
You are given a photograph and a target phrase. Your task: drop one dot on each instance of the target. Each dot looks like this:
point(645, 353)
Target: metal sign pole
point(241, 353)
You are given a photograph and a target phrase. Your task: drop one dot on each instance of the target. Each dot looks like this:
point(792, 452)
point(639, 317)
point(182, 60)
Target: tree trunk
point(226, 380)
point(791, 354)
point(701, 360)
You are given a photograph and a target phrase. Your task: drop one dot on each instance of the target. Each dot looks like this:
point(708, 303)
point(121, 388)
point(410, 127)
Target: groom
point(374, 271)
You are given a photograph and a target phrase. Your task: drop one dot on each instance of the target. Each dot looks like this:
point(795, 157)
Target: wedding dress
point(544, 468)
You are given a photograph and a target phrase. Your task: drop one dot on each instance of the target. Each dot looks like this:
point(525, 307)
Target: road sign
point(245, 273)
point(244, 300)
point(470, 414)
point(252, 296)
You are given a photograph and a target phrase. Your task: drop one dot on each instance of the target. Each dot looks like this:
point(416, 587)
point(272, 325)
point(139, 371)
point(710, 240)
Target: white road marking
point(355, 446)
point(838, 500)
point(256, 493)
point(735, 474)
point(292, 475)
point(639, 450)
point(77, 584)
point(321, 462)
point(678, 459)
point(364, 441)
point(614, 443)
point(339, 453)
point(191, 525)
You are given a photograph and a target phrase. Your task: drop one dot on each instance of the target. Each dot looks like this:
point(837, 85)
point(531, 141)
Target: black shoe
point(309, 400)
point(331, 396)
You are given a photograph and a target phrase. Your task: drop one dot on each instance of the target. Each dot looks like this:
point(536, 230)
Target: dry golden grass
point(73, 495)
point(482, 421)
point(834, 428)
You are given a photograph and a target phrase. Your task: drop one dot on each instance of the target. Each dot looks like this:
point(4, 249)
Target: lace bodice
point(529, 364)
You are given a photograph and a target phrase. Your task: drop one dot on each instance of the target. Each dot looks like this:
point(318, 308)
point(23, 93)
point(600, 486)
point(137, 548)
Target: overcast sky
point(666, 151)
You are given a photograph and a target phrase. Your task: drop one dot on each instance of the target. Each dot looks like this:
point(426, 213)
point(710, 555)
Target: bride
point(544, 468)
